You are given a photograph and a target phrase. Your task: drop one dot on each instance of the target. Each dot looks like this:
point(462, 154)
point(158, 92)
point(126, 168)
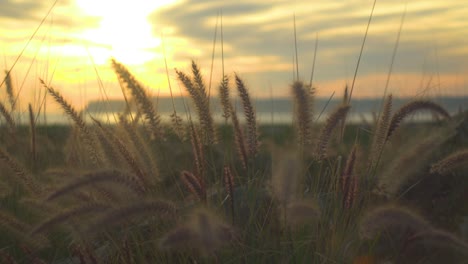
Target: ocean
point(268, 111)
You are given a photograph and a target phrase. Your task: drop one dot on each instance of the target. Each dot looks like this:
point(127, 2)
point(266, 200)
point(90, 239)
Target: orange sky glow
point(72, 48)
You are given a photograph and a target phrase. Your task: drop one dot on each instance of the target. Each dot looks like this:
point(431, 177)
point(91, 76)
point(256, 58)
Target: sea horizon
point(268, 111)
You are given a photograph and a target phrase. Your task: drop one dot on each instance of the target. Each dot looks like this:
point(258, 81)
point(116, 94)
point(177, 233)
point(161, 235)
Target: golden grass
point(117, 198)
point(450, 162)
point(194, 184)
point(249, 112)
point(303, 113)
point(326, 132)
point(140, 96)
point(410, 108)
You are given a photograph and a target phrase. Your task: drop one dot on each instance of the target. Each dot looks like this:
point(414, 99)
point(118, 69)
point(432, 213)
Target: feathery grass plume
point(114, 176)
point(194, 184)
point(17, 228)
point(103, 194)
point(110, 153)
point(141, 148)
point(301, 212)
point(32, 131)
point(326, 132)
point(252, 134)
point(349, 181)
point(68, 214)
point(163, 209)
point(85, 134)
point(380, 134)
point(239, 139)
point(11, 222)
point(452, 161)
point(229, 186)
point(284, 178)
point(180, 237)
point(198, 154)
point(198, 80)
point(303, 96)
point(412, 107)
point(126, 154)
point(393, 221)
point(8, 118)
point(69, 110)
point(24, 178)
point(414, 160)
point(224, 97)
point(440, 239)
point(345, 95)
point(196, 89)
point(10, 91)
point(140, 95)
point(204, 233)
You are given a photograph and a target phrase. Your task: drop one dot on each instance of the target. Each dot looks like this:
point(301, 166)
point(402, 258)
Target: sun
point(124, 31)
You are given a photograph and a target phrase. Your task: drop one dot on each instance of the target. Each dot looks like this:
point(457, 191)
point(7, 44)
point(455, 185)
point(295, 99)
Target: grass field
point(193, 191)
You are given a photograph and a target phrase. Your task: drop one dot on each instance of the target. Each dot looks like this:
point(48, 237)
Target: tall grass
point(127, 194)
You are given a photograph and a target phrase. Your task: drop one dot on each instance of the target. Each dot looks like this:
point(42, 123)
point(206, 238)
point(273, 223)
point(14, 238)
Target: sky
point(69, 44)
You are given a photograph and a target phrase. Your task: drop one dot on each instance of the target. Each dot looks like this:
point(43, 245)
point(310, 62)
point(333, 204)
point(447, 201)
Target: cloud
point(31, 12)
point(430, 39)
point(21, 9)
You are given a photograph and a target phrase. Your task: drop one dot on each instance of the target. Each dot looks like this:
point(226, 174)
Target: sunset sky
point(431, 60)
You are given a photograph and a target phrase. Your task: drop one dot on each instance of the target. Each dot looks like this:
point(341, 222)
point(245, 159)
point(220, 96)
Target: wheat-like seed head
point(24, 178)
point(249, 112)
point(164, 210)
point(126, 154)
point(114, 176)
point(194, 184)
point(9, 119)
point(441, 239)
point(229, 187)
point(450, 162)
point(349, 180)
point(204, 233)
point(68, 214)
point(412, 107)
point(239, 139)
point(140, 95)
point(17, 227)
point(326, 132)
point(198, 153)
point(86, 134)
point(224, 97)
point(196, 89)
point(380, 134)
point(10, 91)
point(303, 112)
point(392, 220)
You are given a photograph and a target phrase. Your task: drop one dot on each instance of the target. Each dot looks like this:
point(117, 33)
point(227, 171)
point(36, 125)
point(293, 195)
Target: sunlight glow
point(123, 28)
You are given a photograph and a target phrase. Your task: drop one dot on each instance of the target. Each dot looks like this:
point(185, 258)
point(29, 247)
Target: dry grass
point(412, 107)
point(326, 132)
point(249, 112)
point(120, 192)
point(452, 161)
point(303, 113)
